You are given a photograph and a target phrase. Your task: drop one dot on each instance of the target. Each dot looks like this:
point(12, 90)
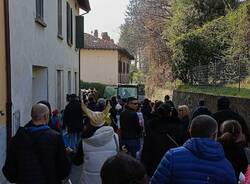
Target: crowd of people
point(124, 141)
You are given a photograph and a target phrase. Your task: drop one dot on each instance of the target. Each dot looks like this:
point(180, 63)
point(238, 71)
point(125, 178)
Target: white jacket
point(97, 149)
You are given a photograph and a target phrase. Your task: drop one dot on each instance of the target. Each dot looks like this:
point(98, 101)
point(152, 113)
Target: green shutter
point(79, 32)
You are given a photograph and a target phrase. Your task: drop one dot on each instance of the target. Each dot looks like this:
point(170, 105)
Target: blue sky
point(106, 16)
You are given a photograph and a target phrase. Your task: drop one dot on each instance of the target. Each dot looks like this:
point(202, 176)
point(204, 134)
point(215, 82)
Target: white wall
point(99, 66)
point(32, 44)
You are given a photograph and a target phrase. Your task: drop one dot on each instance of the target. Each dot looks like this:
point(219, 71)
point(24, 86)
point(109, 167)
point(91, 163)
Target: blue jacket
point(198, 161)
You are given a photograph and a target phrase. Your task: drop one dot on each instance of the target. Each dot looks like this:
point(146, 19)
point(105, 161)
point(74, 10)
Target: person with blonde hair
point(233, 142)
point(184, 113)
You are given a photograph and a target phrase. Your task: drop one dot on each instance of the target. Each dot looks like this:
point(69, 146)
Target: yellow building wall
point(99, 66)
point(3, 92)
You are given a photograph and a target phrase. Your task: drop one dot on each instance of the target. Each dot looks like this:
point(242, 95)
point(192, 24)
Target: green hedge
point(98, 86)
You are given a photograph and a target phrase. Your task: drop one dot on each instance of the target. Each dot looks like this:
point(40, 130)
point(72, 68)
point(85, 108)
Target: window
point(39, 13)
point(69, 25)
point(59, 14)
point(76, 83)
point(59, 83)
point(127, 68)
point(120, 67)
point(123, 68)
point(69, 82)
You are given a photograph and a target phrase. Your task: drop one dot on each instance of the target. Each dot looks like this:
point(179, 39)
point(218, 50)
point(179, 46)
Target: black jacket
point(130, 126)
point(73, 117)
point(228, 114)
point(201, 110)
point(157, 141)
point(36, 157)
point(234, 152)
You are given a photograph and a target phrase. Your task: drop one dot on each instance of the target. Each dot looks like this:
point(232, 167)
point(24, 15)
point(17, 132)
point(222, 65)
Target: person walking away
point(146, 109)
point(200, 160)
point(233, 143)
point(168, 101)
point(201, 110)
point(114, 113)
point(55, 121)
point(162, 133)
point(36, 154)
point(99, 142)
point(73, 120)
point(225, 113)
point(140, 116)
point(130, 127)
point(123, 169)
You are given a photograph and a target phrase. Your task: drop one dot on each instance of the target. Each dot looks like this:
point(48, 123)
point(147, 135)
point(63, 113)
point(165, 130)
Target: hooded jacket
point(157, 141)
point(36, 154)
point(198, 161)
point(97, 149)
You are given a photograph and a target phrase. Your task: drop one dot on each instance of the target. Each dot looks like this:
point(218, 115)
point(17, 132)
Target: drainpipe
point(80, 60)
point(8, 70)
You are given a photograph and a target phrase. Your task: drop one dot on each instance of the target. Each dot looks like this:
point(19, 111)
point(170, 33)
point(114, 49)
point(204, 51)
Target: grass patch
point(212, 90)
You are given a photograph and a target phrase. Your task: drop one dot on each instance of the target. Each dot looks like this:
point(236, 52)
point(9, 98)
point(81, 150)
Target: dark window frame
point(59, 19)
point(123, 68)
point(40, 13)
point(69, 25)
point(119, 67)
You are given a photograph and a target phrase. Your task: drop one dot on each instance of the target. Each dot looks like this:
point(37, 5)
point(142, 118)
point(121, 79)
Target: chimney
point(105, 36)
point(96, 33)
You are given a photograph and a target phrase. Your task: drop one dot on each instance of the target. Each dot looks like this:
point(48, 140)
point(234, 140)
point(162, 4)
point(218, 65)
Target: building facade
point(44, 57)
point(104, 62)
point(39, 59)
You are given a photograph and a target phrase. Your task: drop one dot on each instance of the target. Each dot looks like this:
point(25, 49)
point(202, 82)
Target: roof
point(92, 42)
point(84, 4)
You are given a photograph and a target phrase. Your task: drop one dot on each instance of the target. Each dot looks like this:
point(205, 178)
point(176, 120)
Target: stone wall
point(240, 105)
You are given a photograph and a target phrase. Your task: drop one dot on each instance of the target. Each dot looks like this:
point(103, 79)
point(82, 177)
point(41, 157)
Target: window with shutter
point(59, 14)
point(79, 32)
point(69, 25)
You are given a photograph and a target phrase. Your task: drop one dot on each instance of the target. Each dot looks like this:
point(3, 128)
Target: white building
point(42, 39)
point(44, 56)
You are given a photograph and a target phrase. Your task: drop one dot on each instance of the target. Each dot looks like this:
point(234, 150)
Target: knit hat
point(97, 118)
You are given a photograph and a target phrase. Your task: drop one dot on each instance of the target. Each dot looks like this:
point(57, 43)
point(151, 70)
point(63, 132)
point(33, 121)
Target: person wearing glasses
point(130, 127)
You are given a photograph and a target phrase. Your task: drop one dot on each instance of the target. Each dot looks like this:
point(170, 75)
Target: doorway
point(39, 84)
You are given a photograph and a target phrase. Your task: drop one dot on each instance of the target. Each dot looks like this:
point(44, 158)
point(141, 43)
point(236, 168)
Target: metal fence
point(221, 73)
